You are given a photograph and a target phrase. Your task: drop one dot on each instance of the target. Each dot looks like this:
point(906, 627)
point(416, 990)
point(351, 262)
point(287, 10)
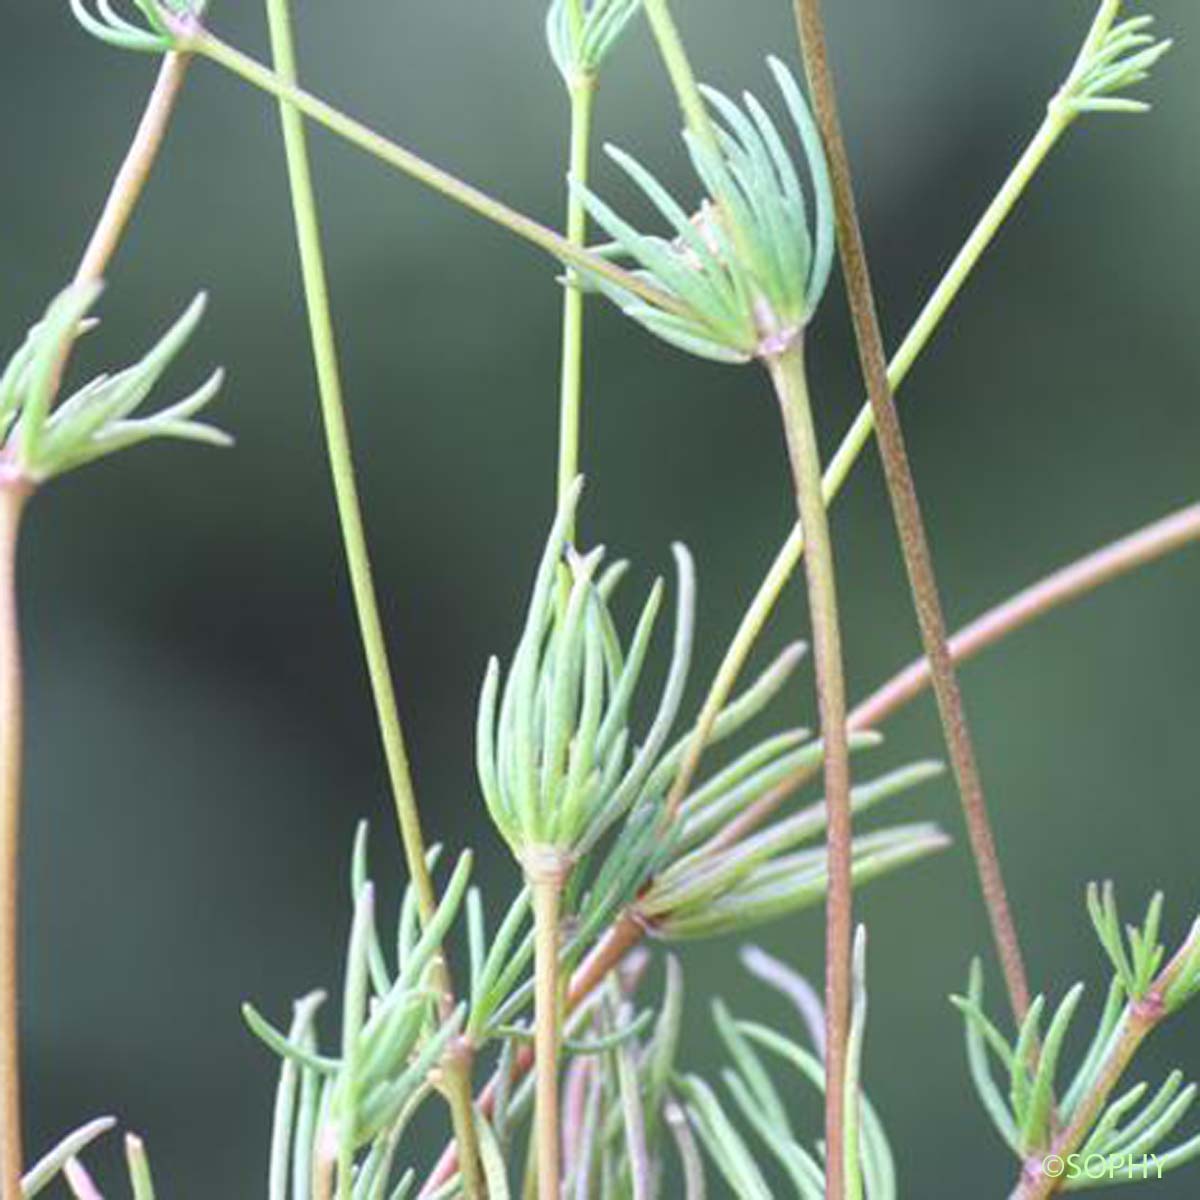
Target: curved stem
point(129, 183)
point(583, 93)
point(788, 375)
point(545, 873)
point(405, 161)
point(859, 435)
point(12, 503)
point(1068, 583)
point(135, 169)
point(910, 526)
point(341, 462)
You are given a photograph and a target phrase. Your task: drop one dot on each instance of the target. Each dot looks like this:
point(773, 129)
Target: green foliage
point(870, 1166)
point(745, 271)
point(724, 886)
point(329, 1110)
point(1036, 1104)
point(1115, 56)
point(582, 33)
point(99, 419)
point(554, 752)
point(156, 36)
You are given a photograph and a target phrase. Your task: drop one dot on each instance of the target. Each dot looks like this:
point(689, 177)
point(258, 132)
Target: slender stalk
point(545, 872)
point(13, 494)
point(679, 68)
point(906, 508)
point(1152, 542)
point(341, 462)
point(687, 92)
point(129, 182)
point(582, 94)
point(791, 386)
point(199, 41)
point(135, 169)
point(123, 197)
point(859, 435)
point(1146, 545)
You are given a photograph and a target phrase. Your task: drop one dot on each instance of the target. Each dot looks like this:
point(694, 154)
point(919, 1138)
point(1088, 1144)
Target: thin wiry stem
point(253, 72)
point(906, 508)
point(788, 375)
point(1154, 541)
point(341, 462)
point(582, 93)
point(545, 873)
point(859, 435)
point(126, 190)
point(129, 182)
point(679, 68)
point(135, 169)
point(13, 494)
point(687, 92)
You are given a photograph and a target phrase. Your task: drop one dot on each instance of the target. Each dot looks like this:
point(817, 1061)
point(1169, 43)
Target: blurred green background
point(201, 739)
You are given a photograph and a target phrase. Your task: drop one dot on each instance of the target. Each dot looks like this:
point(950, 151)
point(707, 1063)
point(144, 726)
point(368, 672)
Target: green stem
point(679, 68)
point(356, 133)
point(858, 436)
point(791, 386)
point(12, 502)
point(691, 100)
point(341, 461)
point(545, 872)
point(910, 526)
point(583, 93)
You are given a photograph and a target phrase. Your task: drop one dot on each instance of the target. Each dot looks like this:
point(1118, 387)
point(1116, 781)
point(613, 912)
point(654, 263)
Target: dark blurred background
point(201, 737)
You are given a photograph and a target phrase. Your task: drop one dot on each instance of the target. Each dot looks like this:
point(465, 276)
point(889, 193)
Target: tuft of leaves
point(40, 441)
point(1115, 56)
point(870, 1166)
point(582, 33)
point(734, 885)
point(554, 752)
point(1035, 1104)
point(744, 272)
point(156, 36)
point(348, 1112)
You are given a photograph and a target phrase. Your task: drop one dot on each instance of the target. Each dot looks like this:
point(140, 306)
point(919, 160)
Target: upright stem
point(546, 874)
point(12, 503)
point(582, 92)
point(135, 169)
point(791, 386)
point(679, 68)
point(906, 508)
point(341, 461)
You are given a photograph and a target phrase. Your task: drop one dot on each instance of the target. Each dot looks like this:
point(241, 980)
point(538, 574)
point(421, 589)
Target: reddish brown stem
point(1085, 575)
point(13, 493)
point(135, 169)
point(906, 508)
